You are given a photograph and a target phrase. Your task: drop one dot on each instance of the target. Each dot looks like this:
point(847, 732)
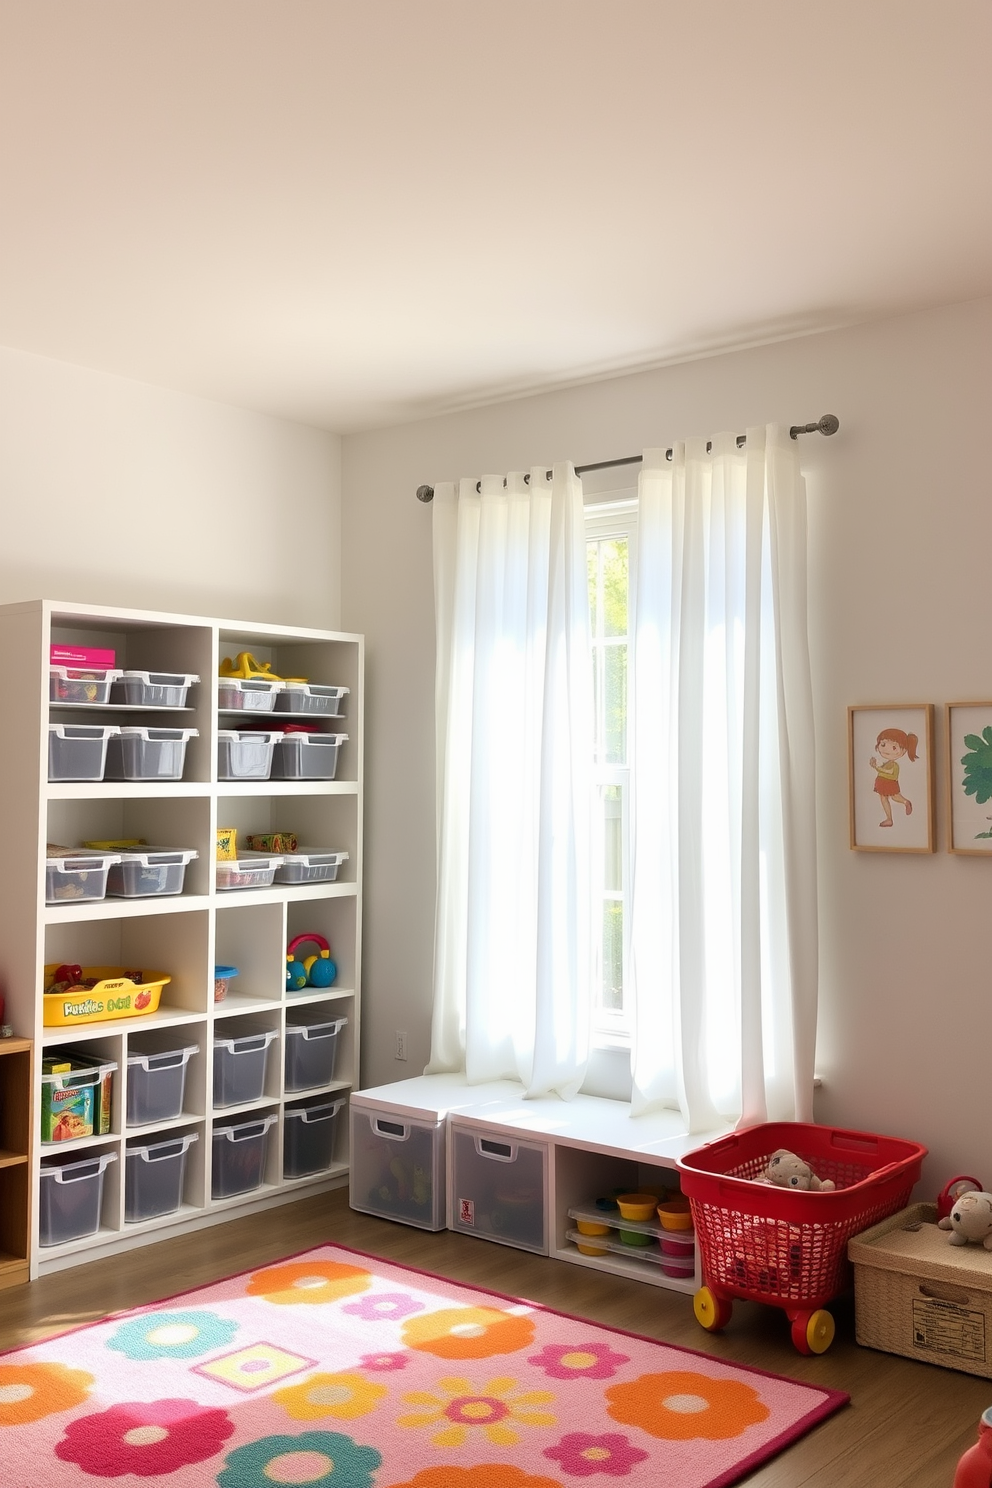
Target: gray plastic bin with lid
point(153, 689)
point(156, 1084)
point(78, 751)
point(313, 697)
point(76, 878)
point(70, 1197)
point(150, 872)
point(238, 1157)
point(307, 756)
point(311, 1051)
point(308, 1137)
point(148, 753)
point(246, 755)
point(239, 1066)
point(310, 865)
point(153, 1177)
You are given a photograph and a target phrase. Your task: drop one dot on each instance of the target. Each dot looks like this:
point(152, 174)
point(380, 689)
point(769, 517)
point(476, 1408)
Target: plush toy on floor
point(970, 1219)
point(785, 1170)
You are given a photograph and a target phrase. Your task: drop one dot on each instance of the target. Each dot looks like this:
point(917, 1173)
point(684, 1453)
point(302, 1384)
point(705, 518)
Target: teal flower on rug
point(172, 1335)
point(314, 1459)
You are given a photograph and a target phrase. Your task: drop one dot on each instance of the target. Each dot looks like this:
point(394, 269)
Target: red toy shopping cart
point(783, 1246)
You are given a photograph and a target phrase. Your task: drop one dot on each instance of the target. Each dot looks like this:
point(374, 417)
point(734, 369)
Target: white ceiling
point(356, 212)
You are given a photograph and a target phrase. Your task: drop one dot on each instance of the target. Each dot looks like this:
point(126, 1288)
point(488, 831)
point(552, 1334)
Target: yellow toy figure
point(892, 744)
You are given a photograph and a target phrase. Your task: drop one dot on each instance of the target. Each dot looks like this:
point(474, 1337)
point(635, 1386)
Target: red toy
point(975, 1467)
point(784, 1246)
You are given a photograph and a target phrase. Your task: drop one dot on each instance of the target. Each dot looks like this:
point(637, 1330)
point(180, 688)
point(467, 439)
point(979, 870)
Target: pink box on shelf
point(81, 656)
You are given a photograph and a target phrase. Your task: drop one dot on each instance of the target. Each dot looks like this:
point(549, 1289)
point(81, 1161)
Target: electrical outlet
point(400, 1046)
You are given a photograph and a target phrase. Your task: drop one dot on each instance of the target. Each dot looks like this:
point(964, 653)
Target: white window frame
point(614, 514)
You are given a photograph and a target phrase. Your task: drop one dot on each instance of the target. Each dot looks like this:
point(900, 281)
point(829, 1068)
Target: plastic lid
point(164, 679)
point(225, 971)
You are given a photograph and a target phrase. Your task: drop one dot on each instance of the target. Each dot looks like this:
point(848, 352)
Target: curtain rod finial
point(425, 493)
point(828, 424)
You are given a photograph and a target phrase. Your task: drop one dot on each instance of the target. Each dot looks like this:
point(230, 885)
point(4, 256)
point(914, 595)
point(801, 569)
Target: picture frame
point(891, 777)
point(969, 779)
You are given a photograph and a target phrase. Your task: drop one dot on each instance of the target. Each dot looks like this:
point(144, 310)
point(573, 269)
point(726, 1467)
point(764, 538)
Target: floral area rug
point(337, 1370)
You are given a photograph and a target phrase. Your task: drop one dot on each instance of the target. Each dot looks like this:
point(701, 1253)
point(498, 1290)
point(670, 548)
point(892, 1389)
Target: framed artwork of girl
point(891, 778)
point(892, 744)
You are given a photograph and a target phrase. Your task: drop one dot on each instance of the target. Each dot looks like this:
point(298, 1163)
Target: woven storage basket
point(918, 1295)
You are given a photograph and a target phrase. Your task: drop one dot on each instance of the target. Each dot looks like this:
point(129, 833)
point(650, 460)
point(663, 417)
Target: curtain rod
point(828, 424)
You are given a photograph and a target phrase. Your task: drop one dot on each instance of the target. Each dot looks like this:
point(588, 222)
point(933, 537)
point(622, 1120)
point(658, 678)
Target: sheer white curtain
point(723, 921)
point(514, 750)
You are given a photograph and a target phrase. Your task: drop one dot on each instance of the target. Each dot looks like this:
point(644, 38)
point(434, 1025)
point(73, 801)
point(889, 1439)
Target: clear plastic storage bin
point(75, 1101)
point(239, 1066)
point(397, 1167)
point(156, 1084)
point(257, 695)
point(310, 866)
point(148, 754)
point(153, 1177)
point(308, 1137)
point(313, 697)
point(239, 1157)
point(70, 1198)
point(87, 686)
point(78, 751)
point(250, 871)
point(245, 756)
point(150, 871)
point(311, 1051)
point(498, 1188)
point(73, 880)
point(307, 756)
point(153, 689)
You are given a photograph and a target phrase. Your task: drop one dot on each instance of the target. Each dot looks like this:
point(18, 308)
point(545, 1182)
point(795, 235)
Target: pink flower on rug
point(681, 1405)
point(485, 1475)
point(387, 1307)
point(382, 1363)
point(578, 1360)
point(458, 1408)
point(581, 1455)
point(147, 1438)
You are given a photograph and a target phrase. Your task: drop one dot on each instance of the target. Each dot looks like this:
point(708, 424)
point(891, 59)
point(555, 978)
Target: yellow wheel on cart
point(813, 1333)
point(712, 1312)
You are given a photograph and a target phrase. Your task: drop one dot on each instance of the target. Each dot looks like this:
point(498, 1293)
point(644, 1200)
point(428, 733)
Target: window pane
point(611, 998)
point(613, 557)
point(612, 840)
point(614, 704)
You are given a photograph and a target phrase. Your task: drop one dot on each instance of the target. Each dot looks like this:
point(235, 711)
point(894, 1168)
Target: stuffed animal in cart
point(785, 1170)
point(970, 1219)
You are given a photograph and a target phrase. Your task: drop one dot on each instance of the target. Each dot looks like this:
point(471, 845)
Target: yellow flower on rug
point(308, 1282)
point(28, 1392)
point(468, 1332)
point(467, 1409)
point(342, 1395)
point(681, 1405)
point(485, 1475)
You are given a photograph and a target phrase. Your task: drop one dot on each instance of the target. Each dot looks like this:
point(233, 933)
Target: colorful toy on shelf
point(245, 666)
point(310, 971)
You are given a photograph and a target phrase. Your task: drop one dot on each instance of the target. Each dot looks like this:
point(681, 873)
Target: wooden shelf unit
point(187, 934)
point(16, 1136)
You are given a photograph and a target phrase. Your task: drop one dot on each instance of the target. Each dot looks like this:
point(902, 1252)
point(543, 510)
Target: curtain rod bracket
point(828, 424)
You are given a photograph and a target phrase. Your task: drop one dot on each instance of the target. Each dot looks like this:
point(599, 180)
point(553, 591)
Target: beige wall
point(900, 554)
point(114, 491)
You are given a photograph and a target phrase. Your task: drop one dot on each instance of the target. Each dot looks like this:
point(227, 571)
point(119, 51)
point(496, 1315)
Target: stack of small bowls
point(587, 1228)
point(640, 1208)
point(678, 1243)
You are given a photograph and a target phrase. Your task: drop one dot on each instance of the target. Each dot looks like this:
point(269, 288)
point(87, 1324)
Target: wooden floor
point(906, 1427)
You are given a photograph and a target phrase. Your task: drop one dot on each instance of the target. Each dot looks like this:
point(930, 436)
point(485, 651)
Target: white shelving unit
point(187, 934)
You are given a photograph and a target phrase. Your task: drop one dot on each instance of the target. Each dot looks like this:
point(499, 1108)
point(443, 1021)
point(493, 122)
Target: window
point(611, 530)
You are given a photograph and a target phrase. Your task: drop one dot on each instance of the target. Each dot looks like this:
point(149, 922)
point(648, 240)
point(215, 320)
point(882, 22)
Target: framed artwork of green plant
point(969, 778)
point(891, 777)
